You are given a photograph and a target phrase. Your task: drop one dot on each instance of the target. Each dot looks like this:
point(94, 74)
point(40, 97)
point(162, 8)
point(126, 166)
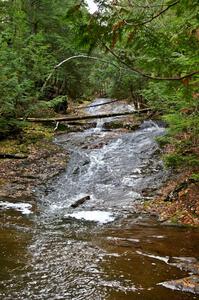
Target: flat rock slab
point(187, 284)
point(189, 264)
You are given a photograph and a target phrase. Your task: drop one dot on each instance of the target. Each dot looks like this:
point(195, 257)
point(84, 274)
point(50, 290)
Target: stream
point(101, 249)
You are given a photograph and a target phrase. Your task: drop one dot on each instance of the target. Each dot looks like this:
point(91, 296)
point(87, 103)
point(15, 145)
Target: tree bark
point(15, 156)
point(140, 72)
point(100, 104)
point(80, 202)
point(87, 117)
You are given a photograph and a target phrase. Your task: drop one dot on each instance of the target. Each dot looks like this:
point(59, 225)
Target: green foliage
point(42, 105)
point(140, 41)
point(9, 126)
point(177, 160)
point(195, 177)
point(163, 140)
point(35, 36)
point(156, 39)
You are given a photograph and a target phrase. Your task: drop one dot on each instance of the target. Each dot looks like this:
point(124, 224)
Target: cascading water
point(100, 249)
point(113, 175)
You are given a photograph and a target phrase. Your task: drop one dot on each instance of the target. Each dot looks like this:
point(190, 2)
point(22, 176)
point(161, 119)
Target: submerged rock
point(189, 264)
point(187, 284)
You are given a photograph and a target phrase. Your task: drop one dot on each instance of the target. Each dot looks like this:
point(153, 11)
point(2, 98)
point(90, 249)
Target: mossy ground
point(21, 143)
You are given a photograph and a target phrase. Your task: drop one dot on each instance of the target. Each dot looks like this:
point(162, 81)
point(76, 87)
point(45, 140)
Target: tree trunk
point(87, 117)
point(15, 156)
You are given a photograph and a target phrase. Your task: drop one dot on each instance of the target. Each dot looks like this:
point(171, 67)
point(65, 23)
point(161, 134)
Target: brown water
point(100, 250)
point(90, 261)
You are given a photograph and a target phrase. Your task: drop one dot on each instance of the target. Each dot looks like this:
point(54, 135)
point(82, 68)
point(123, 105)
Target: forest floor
point(44, 161)
point(177, 202)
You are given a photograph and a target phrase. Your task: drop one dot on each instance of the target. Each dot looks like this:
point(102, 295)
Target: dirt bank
point(177, 202)
point(44, 160)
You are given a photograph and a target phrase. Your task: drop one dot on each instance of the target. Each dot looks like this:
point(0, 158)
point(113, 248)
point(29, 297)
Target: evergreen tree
point(35, 36)
point(157, 41)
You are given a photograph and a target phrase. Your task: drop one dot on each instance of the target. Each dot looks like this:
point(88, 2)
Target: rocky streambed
point(86, 238)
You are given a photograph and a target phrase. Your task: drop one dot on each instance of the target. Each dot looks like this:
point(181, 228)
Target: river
point(101, 249)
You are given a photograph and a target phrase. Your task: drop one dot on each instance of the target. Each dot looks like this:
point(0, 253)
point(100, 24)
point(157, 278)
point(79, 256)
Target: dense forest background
point(145, 51)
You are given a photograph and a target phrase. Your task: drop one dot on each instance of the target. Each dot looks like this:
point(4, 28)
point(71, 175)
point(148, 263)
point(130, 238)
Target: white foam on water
point(123, 239)
point(24, 208)
point(93, 215)
point(162, 258)
point(158, 236)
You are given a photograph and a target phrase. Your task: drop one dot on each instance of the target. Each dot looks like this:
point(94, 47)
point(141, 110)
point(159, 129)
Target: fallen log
point(74, 123)
point(99, 104)
point(15, 156)
point(80, 202)
point(87, 117)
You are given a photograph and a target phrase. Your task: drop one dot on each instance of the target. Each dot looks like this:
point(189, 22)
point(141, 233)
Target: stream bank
point(102, 248)
point(177, 202)
point(46, 160)
point(21, 177)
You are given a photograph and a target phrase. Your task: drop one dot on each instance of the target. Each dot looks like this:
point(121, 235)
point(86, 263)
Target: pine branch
point(140, 72)
point(115, 65)
point(77, 57)
point(153, 17)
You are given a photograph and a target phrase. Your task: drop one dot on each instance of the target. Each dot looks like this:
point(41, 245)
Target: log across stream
point(86, 240)
point(88, 117)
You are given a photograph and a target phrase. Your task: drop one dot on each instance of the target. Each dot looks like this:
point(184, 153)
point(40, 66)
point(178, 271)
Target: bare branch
point(77, 57)
point(84, 56)
point(140, 72)
point(129, 68)
point(133, 4)
point(10, 156)
point(153, 17)
point(95, 105)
